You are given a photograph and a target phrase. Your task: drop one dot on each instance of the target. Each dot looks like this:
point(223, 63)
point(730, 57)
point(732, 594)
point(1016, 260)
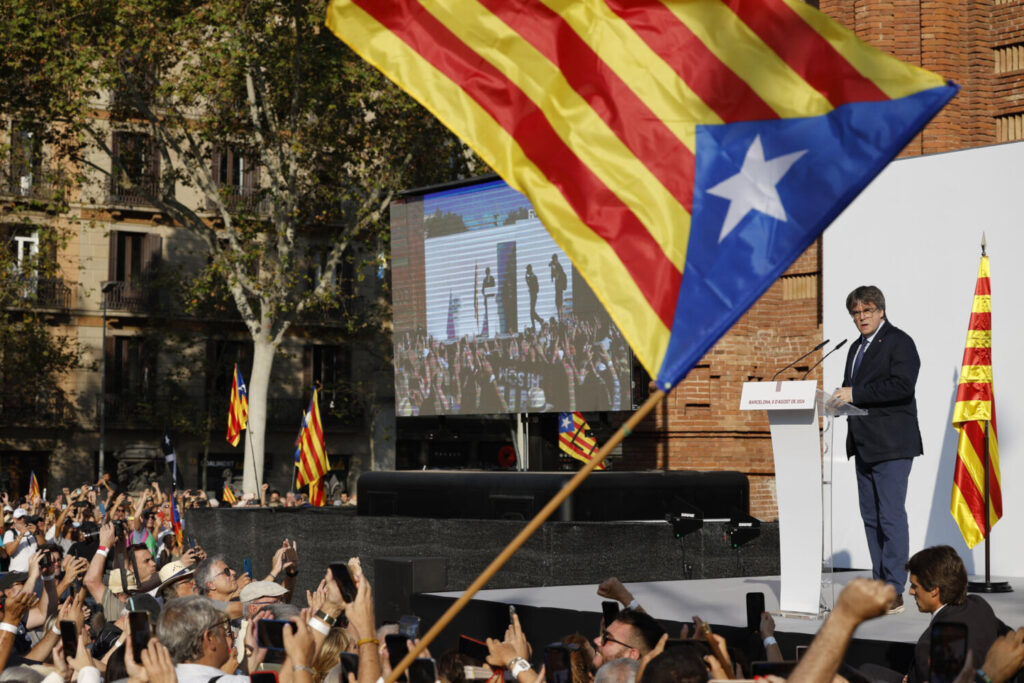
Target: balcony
point(134, 297)
point(41, 409)
point(134, 196)
point(36, 188)
point(43, 293)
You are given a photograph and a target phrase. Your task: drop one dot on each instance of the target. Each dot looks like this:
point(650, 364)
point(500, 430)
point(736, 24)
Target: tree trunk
point(255, 437)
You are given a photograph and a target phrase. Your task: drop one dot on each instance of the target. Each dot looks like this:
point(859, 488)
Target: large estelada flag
point(574, 438)
point(310, 453)
point(975, 406)
point(682, 153)
point(238, 409)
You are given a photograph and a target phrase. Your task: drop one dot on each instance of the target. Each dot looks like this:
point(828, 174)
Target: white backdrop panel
point(916, 234)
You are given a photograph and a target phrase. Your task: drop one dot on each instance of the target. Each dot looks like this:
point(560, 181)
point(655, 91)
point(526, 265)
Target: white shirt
point(26, 546)
point(200, 673)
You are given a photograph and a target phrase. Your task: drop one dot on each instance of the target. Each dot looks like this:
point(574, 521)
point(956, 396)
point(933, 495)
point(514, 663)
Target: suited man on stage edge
point(881, 371)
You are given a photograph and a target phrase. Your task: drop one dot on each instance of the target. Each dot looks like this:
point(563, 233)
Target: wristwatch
point(517, 666)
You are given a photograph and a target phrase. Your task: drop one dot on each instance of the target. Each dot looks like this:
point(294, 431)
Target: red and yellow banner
point(975, 407)
point(310, 453)
point(682, 153)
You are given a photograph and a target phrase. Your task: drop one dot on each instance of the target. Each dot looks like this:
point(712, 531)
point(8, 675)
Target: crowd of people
point(94, 591)
point(568, 364)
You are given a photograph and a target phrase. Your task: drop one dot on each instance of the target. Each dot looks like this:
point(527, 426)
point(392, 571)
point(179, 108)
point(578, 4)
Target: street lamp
point(106, 287)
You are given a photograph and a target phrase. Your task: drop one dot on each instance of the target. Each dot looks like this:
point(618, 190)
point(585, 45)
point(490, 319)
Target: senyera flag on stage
point(975, 406)
point(682, 153)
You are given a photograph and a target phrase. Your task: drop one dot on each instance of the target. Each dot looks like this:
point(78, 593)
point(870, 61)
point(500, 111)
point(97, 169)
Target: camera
point(45, 561)
point(119, 528)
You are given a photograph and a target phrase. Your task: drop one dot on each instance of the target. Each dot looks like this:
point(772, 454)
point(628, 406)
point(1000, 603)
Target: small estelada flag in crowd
point(574, 437)
point(975, 406)
point(238, 410)
point(228, 496)
point(33, 487)
point(310, 452)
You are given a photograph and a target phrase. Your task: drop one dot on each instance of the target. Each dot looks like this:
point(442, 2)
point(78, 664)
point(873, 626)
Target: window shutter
point(151, 248)
point(113, 256)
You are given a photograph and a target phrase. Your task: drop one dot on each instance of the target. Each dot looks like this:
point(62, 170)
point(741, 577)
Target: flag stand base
point(989, 587)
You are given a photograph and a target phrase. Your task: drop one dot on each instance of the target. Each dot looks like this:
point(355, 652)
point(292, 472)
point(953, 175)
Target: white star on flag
point(753, 188)
point(566, 423)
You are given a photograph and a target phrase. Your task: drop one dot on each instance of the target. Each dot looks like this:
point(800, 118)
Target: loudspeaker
point(396, 579)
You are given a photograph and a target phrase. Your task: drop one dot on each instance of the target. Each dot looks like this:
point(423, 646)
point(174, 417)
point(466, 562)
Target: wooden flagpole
point(528, 531)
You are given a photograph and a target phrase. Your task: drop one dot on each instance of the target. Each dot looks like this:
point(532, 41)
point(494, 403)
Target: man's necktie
point(859, 357)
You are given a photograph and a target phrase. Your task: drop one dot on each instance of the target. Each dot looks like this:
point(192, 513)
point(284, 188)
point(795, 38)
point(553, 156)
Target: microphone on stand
point(798, 360)
point(837, 347)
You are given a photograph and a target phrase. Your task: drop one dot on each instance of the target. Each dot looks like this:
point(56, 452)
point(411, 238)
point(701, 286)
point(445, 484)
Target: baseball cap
point(20, 512)
point(254, 590)
point(10, 578)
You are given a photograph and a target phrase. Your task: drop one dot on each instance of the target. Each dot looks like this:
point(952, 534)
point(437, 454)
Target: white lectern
point(802, 493)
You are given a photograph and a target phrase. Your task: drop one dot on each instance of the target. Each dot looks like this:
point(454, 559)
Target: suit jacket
point(983, 627)
point(884, 386)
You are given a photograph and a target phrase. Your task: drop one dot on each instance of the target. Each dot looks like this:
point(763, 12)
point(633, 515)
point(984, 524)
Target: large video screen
point(489, 314)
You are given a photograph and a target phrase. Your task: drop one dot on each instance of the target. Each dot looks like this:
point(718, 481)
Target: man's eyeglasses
point(223, 625)
point(228, 571)
point(863, 312)
point(606, 637)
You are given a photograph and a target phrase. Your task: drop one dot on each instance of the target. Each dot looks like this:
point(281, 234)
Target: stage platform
point(552, 611)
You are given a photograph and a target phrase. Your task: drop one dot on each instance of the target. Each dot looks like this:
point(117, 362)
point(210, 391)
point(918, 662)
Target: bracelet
point(101, 551)
point(325, 617)
point(770, 640)
point(54, 629)
point(10, 628)
point(980, 675)
point(299, 667)
point(365, 641)
point(317, 626)
point(49, 578)
point(633, 604)
point(273, 577)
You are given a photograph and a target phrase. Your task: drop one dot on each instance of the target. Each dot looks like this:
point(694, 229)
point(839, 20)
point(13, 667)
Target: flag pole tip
point(983, 243)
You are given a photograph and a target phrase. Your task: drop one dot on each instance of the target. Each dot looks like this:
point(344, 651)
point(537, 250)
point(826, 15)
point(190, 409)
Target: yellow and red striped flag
point(33, 487)
point(683, 153)
point(975, 406)
point(228, 496)
point(238, 409)
point(574, 437)
point(310, 454)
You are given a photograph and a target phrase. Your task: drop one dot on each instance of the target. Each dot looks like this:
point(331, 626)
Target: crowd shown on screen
point(93, 592)
point(568, 364)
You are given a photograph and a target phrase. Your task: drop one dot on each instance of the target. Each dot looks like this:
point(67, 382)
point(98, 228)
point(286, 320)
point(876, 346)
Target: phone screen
point(557, 664)
point(474, 648)
point(755, 606)
point(138, 627)
point(610, 609)
point(342, 577)
point(423, 670)
point(409, 626)
point(270, 633)
point(263, 677)
point(69, 637)
point(349, 665)
point(247, 567)
point(948, 651)
point(698, 644)
point(800, 650)
point(398, 648)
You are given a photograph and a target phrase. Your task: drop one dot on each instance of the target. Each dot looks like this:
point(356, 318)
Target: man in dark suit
point(938, 582)
point(881, 371)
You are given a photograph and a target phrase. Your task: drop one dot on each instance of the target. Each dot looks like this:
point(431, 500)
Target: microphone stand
point(798, 360)
point(837, 347)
